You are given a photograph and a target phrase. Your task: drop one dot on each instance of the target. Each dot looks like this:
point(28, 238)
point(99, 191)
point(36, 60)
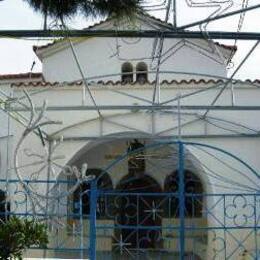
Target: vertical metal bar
point(153, 122)
point(232, 94)
point(45, 20)
point(26, 201)
point(179, 116)
point(7, 188)
point(137, 224)
point(81, 224)
point(256, 227)
point(174, 8)
point(57, 233)
point(225, 226)
point(181, 201)
point(49, 160)
point(92, 222)
point(101, 126)
point(159, 93)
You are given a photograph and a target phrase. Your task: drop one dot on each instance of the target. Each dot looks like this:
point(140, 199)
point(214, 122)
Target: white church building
point(171, 144)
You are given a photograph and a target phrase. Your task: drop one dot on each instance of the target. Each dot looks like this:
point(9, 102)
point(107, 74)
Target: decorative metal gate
point(180, 200)
point(183, 219)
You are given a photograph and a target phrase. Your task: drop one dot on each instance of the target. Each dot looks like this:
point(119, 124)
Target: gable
point(140, 22)
point(106, 55)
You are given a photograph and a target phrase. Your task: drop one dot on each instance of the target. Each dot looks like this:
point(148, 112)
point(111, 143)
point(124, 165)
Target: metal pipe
point(181, 195)
point(92, 222)
point(142, 107)
point(176, 34)
point(158, 137)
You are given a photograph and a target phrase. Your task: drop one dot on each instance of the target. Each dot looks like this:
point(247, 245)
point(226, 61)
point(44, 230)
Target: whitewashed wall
point(99, 57)
point(87, 124)
point(94, 152)
point(103, 56)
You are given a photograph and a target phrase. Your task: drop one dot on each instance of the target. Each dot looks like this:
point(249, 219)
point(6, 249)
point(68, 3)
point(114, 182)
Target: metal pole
point(45, 20)
point(179, 116)
point(174, 6)
point(170, 34)
point(144, 107)
point(232, 95)
point(81, 224)
point(92, 222)
point(181, 194)
point(49, 159)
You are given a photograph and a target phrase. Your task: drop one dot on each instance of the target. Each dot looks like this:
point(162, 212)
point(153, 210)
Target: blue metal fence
point(183, 222)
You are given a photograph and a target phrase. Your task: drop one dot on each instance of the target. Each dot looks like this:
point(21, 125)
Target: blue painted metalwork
point(92, 222)
point(181, 195)
point(151, 222)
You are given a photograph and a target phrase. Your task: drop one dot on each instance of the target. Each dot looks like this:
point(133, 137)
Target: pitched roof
point(163, 23)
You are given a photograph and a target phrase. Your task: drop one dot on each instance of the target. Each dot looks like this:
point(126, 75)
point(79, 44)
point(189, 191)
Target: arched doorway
point(81, 197)
point(139, 211)
point(132, 218)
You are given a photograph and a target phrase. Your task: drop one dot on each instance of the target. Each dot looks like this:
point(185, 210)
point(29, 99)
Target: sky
point(16, 55)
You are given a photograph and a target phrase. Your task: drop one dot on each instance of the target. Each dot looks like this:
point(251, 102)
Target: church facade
point(173, 169)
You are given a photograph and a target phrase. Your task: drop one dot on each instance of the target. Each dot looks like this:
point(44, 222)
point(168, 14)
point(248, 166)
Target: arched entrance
point(138, 208)
point(81, 197)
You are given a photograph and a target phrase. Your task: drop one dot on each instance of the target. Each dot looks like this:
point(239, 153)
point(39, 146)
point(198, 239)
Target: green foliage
point(91, 8)
point(16, 235)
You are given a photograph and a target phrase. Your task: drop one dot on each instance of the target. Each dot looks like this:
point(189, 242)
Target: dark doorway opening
point(81, 197)
point(139, 212)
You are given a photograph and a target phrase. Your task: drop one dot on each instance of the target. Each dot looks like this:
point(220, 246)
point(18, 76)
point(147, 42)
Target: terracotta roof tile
point(116, 83)
point(136, 83)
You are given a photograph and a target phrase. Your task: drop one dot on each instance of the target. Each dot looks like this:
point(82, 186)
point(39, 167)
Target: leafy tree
point(17, 235)
point(62, 9)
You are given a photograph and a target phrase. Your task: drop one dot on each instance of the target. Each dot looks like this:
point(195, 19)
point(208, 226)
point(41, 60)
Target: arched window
point(81, 197)
point(141, 72)
point(193, 198)
point(127, 73)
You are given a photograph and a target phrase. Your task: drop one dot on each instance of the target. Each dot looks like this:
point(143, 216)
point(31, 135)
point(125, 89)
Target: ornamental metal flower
point(240, 211)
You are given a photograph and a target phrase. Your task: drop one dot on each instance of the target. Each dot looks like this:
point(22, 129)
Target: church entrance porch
point(156, 200)
point(140, 214)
